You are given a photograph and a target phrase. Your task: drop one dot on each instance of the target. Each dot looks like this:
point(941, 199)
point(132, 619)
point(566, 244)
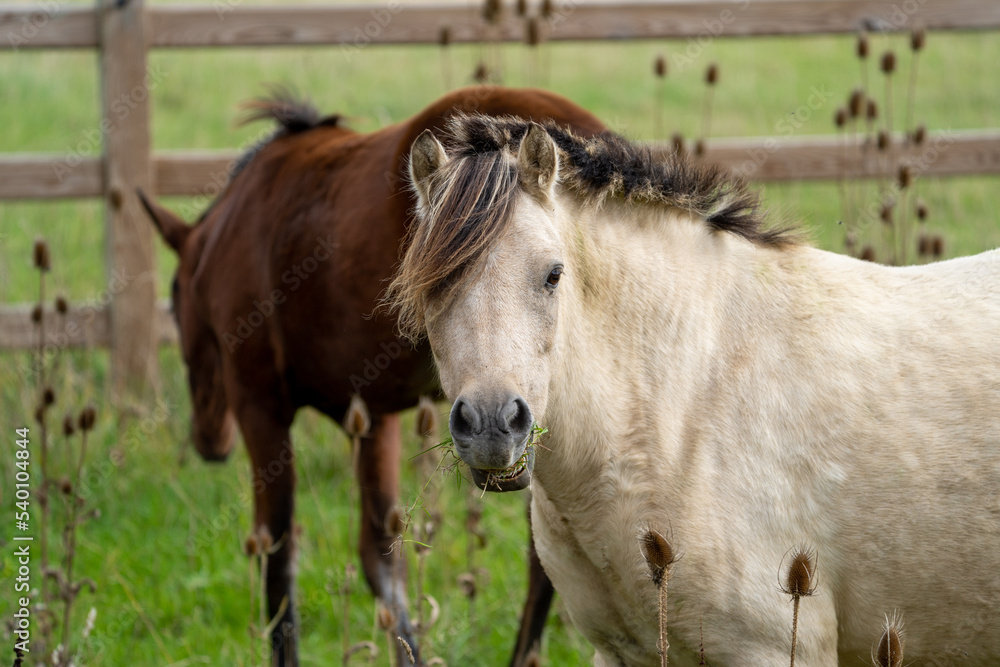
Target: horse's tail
point(292, 113)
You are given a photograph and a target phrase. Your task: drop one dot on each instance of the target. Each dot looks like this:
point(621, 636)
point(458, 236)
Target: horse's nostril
point(515, 416)
point(465, 420)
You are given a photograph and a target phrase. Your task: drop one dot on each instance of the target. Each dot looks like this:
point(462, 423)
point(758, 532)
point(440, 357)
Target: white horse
point(731, 387)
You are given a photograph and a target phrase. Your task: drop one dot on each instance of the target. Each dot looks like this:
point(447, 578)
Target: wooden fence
point(123, 31)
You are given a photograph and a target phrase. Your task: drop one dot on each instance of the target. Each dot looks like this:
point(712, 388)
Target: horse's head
point(482, 278)
point(213, 423)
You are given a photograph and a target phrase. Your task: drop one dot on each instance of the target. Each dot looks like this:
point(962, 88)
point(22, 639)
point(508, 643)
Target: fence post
point(129, 250)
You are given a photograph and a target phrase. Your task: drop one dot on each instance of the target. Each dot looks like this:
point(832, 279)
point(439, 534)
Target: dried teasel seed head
point(883, 140)
point(36, 314)
point(252, 545)
point(840, 118)
point(481, 73)
point(87, 417)
point(427, 417)
point(65, 486)
point(889, 651)
point(522, 7)
point(862, 45)
point(394, 521)
point(888, 62)
point(937, 246)
point(917, 39)
point(444, 36)
point(658, 553)
point(68, 427)
point(867, 254)
point(923, 245)
point(921, 211)
point(871, 111)
point(699, 147)
point(905, 176)
point(712, 74)
point(545, 11)
point(491, 10)
point(467, 584)
point(800, 580)
point(660, 66)
point(856, 103)
point(48, 396)
point(386, 617)
point(61, 306)
point(41, 255)
point(532, 37)
point(40, 414)
point(920, 135)
point(677, 141)
point(357, 421)
point(885, 214)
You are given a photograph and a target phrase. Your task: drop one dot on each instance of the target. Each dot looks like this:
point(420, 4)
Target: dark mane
point(293, 116)
point(472, 199)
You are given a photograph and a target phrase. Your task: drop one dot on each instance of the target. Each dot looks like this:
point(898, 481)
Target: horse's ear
point(426, 157)
point(173, 230)
point(538, 162)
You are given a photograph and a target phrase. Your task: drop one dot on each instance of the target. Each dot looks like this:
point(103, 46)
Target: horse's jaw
point(514, 478)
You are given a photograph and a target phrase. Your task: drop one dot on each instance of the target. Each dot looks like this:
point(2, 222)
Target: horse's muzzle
point(493, 438)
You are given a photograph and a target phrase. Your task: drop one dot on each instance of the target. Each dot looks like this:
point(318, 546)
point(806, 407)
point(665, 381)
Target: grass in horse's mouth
point(514, 471)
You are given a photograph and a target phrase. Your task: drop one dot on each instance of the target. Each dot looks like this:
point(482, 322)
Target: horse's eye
point(554, 276)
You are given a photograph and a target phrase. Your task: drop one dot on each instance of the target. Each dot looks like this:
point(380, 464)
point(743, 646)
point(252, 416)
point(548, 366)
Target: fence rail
point(123, 31)
point(226, 24)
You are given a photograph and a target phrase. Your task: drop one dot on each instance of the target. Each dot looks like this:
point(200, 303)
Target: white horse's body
point(742, 400)
point(751, 400)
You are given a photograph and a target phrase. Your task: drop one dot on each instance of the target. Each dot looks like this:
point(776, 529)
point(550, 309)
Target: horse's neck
point(642, 332)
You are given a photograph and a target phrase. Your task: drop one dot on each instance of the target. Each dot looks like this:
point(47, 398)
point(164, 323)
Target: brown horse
point(276, 298)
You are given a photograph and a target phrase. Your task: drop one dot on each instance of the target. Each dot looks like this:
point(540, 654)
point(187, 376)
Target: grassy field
point(173, 587)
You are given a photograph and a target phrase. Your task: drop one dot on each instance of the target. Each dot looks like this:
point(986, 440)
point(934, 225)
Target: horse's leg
point(536, 606)
point(383, 562)
point(270, 448)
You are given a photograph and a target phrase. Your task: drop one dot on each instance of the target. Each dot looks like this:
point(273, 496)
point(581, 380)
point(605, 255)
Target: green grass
point(192, 598)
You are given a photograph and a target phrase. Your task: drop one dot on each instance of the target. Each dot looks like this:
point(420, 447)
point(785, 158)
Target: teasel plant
point(888, 652)
point(711, 79)
point(660, 557)
point(490, 53)
point(799, 582)
point(840, 118)
point(660, 72)
point(260, 545)
point(68, 587)
point(444, 41)
point(918, 39)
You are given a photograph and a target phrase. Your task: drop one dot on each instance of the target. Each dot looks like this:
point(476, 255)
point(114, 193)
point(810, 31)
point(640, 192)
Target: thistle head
point(921, 211)
point(86, 419)
point(905, 176)
point(61, 306)
point(660, 66)
point(920, 135)
point(917, 39)
point(840, 117)
point(444, 36)
point(871, 111)
point(712, 74)
point(856, 103)
point(357, 421)
point(888, 63)
point(41, 255)
point(862, 45)
point(889, 650)
point(800, 578)
point(659, 555)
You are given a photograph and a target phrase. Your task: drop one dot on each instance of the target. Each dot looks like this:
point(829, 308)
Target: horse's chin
point(514, 478)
